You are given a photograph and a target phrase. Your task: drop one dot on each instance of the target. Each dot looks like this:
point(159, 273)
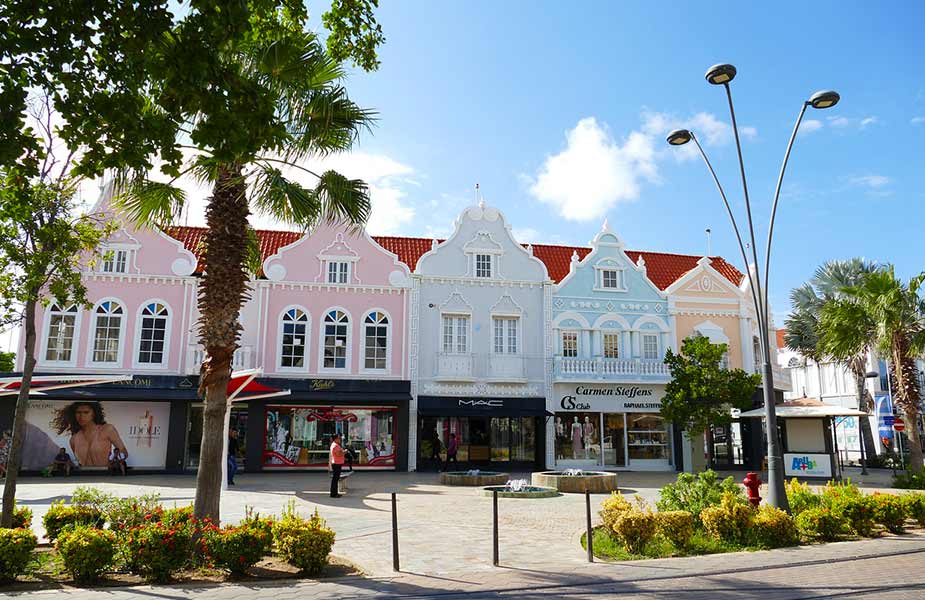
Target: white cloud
point(810, 125)
point(855, 123)
point(917, 120)
point(870, 181)
point(527, 235)
point(869, 121)
point(595, 171)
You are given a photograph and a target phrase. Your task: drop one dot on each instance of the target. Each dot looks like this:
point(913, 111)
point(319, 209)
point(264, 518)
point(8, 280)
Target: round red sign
point(898, 424)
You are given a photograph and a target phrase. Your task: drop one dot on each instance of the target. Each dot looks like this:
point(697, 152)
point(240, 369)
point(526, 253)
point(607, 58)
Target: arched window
point(107, 332)
point(294, 327)
point(62, 326)
point(152, 334)
point(376, 330)
point(336, 330)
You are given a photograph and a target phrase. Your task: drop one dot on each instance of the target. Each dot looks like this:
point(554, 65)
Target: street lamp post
point(722, 74)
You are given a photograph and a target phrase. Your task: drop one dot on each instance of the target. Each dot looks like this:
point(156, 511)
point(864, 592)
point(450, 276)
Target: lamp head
point(872, 374)
point(824, 99)
point(679, 137)
point(720, 74)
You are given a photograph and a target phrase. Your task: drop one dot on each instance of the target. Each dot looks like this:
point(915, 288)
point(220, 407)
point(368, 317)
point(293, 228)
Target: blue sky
point(559, 111)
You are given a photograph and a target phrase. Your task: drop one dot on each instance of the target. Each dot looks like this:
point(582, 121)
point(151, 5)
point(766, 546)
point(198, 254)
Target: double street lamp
point(721, 75)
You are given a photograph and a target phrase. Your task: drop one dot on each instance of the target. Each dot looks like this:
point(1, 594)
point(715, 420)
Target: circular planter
point(596, 482)
point(530, 491)
point(482, 479)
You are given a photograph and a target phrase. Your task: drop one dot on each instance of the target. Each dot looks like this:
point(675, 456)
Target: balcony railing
point(488, 366)
point(454, 367)
point(609, 368)
point(505, 367)
point(243, 358)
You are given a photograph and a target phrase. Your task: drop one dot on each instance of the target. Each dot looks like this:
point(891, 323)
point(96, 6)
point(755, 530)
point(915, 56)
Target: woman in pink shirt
point(336, 463)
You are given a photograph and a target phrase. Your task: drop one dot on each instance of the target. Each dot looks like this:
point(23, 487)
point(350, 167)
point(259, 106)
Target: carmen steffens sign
point(631, 398)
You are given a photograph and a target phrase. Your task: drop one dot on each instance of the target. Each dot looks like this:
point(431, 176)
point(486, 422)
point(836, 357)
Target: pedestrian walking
point(232, 455)
point(451, 448)
point(435, 447)
point(336, 463)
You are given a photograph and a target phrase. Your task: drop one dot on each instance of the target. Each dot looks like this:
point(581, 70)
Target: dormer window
point(483, 265)
point(611, 279)
point(115, 261)
point(338, 272)
point(610, 276)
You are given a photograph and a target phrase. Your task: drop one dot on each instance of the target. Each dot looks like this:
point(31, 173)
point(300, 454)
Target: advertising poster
point(885, 419)
point(89, 431)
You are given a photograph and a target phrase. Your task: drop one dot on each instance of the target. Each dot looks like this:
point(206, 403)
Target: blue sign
point(885, 418)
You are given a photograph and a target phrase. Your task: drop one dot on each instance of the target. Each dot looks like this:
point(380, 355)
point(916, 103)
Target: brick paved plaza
point(446, 546)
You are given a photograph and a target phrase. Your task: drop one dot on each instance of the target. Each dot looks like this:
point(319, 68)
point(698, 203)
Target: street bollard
point(494, 529)
point(590, 534)
point(395, 566)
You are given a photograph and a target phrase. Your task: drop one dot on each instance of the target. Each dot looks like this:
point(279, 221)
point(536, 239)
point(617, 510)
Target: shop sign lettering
point(569, 403)
point(322, 384)
point(622, 391)
point(491, 403)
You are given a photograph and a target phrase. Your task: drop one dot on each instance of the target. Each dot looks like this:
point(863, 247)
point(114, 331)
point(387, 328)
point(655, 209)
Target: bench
point(342, 483)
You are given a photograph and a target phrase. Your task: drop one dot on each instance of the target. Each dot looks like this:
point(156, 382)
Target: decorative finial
point(641, 263)
point(574, 256)
point(530, 249)
point(606, 225)
point(433, 243)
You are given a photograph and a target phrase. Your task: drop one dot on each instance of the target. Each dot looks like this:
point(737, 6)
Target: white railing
point(454, 366)
point(242, 359)
point(610, 368)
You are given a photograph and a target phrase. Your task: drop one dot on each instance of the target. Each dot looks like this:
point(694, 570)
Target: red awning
point(243, 386)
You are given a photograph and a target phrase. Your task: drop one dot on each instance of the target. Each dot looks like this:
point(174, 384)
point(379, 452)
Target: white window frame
point(343, 269)
point(306, 340)
point(136, 354)
point(605, 266)
point(643, 337)
point(91, 338)
point(616, 336)
point(348, 343)
point(491, 265)
point(388, 341)
point(455, 334)
point(114, 261)
point(617, 279)
point(570, 332)
point(508, 324)
point(75, 340)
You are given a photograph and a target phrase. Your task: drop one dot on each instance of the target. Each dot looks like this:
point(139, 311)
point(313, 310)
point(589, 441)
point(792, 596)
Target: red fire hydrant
point(752, 483)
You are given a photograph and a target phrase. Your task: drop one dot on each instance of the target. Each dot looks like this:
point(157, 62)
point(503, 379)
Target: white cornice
point(329, 287)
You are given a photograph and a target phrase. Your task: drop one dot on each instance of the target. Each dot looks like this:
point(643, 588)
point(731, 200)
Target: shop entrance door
point(238, 422)
point(726, 444)
point(479, 441)
point(614, 440)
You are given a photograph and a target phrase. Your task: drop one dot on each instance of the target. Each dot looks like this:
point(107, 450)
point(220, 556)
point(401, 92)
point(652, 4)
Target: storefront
point(610, 426)
point(491, 433)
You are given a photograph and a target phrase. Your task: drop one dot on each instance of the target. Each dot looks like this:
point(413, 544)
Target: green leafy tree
point(701, 392)
point(803, 332)
point(889, 314)
point(355, 34)
point(7, 361)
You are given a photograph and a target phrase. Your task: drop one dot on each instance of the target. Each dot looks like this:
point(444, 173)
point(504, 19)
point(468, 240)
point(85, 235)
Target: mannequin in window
point(589, 435)
point(576, 438)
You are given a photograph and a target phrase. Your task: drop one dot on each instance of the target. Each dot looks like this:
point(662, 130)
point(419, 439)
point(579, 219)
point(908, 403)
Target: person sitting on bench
point(62, 462)
point(117, 461)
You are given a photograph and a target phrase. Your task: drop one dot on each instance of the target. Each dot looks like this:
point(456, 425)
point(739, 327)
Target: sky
point(559, 111)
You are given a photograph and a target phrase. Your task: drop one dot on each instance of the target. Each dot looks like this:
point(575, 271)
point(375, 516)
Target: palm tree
point(803, 333)
point(892, 316)
point(286, 104)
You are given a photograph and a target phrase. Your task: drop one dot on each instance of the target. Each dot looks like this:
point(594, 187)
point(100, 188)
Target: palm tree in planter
point(276, 100)
point(891, 314)
point(803, 333)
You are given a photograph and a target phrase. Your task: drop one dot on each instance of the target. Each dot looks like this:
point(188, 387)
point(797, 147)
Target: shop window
point(62, 326)
point(483, 265)
point(578, 437)
point(376, 326)
point(650, 347)
point(107, 332)
point(300, 436)
point(455, 334)
point(480, 440)
point(152, 334)
point(523, 439)
point(237, 421)
point(570, 344)
point(500, 439)
point(647, 437)
point(611, 345)
point(293, 330)
point(336, 338)
point(505, 335)
point(338, 271)
point(114, 261)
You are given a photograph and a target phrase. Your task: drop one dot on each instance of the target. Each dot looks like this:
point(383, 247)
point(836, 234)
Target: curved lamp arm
point(735, 226)
point(780, 180)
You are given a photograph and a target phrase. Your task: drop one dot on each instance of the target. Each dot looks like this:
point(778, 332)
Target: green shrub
point(635, 528)
point(910, 480)
point(858, 512)
point(915, 507)
point(613, 508)
point(16, 546)
point(157, 550)
point(834, 493)
point(92, 497)
point(801, 497)
point(303, 543)
point(125, 513)
point(87, 552)
point(694, 493)
point(677, 526)
point(61, 515)
point(820, 524)
point(238, 548)
point(773, 528)
point(890, 511)
point(22, 517)
point(179, 516)
point(730, 521)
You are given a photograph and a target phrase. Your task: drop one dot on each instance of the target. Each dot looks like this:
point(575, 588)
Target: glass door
point(237, 421)
point(479, 440)
point(614, 440)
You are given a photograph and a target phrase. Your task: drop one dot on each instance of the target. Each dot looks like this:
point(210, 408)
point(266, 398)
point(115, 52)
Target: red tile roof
point(662, 268)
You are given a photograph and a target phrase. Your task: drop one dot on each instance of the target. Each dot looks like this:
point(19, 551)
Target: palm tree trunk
point(222, 292)
point(908, 396)
point(14, 461)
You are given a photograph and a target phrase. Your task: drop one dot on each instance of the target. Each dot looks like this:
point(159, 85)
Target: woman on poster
point(92, 438)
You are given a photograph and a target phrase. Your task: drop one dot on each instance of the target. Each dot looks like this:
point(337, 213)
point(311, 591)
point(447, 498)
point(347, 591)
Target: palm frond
point(274, 195)
point(343, 200)
point(149, 203)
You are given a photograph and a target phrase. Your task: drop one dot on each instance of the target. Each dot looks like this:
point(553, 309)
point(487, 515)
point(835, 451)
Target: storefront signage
point(610, 398)
point(493, 403)
point(807, 465)
point(318, 385)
